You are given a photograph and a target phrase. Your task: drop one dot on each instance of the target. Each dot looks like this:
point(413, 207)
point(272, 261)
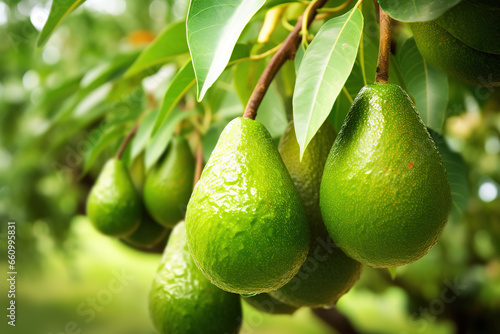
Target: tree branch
point(125, 142)
point(285, 52)
point(384, 50)
point(336, 320)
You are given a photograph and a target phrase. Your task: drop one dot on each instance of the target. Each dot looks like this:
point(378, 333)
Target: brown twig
point(384, 50)
point(285, 52)
point(199, 163)
point(125, 142)
point(336, 320)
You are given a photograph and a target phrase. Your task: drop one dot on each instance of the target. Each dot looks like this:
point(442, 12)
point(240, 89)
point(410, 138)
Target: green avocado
point(113, 205)
point(169, 185)
point(183, 301)
point(137, 173)
point(265, 303)
point(246, 224)
point(475, 26)
point(447, 53)
point(385, 195)
point(327, 273)
point(306, 174)
point(488, 4)
point(149, 233)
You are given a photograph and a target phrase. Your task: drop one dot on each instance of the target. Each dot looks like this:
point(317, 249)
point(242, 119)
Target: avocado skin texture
point(137, 172)
point(327, 273)
point(182, 300)
point(148, 234)
point(306, 174)
point(475, 26)
point(385, 195)
point(267, 304)
point(169, 185)
point(488, 4)
point(454, 57)
point(113, 205)
point(246, 225)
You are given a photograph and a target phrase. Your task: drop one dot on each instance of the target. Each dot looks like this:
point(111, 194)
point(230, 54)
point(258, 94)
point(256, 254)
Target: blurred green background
point(63, 264)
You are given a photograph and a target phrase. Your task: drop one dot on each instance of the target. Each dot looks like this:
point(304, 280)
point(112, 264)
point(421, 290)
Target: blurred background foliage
point(62, 262)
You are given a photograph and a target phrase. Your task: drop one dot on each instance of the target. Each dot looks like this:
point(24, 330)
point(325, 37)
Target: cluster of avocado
point(283, 231)
point(300, 230)
point(464, 42)
point(287, 232)
point(115, 206)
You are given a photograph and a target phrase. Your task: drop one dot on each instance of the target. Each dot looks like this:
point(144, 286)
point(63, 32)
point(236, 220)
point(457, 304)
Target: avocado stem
point(384, 50)
point(125, 142)
point(285, 52)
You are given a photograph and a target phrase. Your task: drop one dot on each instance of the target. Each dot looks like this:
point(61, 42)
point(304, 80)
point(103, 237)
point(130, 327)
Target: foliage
point(73, 86)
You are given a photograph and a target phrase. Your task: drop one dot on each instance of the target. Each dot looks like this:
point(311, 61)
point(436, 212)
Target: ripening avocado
point(476, 26)
point(183, 301)
point(169, 185)
point(449, 54)
point(385, 195)
point(137, 173)
point(327, 273)
point(267, 304)
point(488, 4)
point(149, 233)
point(306, 174)
point(113, 205)
point(246, 224)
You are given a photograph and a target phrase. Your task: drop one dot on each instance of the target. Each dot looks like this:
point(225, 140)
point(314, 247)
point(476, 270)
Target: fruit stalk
point(285, 52)
point(384, 51)
point(336, 320)
point(125, 142)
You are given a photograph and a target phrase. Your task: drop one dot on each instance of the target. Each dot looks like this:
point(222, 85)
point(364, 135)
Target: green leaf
point(54, 98)
point(427, 85)
point(94, 79)
point(299, 55)
point(162, 138)
point(341, 107)
point(98, 145)
point(274, 3)
point(182, 81)
point(107, 72)
point(240, 51)
point(396, 76)
point(245, 76)
point(363, 71)
point(126, 110)
point(457, 176)
point(368, 48)
point(143, 134)
point(212, 31)
point(272, 111)
point(326, 65)
point(58, 11)
point(170, 43)
point(414, 11)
